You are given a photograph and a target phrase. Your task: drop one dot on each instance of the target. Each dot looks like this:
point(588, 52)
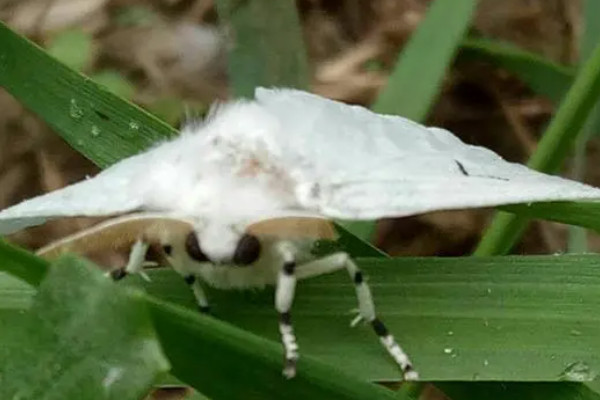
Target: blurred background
point(171, 58)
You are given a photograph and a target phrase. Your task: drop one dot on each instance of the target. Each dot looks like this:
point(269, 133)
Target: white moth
point(292, 158)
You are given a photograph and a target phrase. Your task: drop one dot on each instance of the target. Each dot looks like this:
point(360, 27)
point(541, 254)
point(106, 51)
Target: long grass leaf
point(417, 77)
point(540, 74)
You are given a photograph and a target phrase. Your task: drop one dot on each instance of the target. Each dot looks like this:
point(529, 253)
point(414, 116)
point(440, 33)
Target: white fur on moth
point(286, 153)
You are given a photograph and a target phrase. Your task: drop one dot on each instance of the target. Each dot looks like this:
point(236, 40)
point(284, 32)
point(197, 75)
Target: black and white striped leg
point(135, 264)
point(367, 312)
point(199, 293)
point(284, 297)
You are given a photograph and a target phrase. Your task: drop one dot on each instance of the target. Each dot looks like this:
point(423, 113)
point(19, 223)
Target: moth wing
point(117, 236)
point(108, 193)
point(363, 165)
point(459, 176)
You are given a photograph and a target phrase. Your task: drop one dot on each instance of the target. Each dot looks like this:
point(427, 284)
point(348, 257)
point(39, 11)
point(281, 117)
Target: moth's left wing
point(424, 184)
point(355, 164)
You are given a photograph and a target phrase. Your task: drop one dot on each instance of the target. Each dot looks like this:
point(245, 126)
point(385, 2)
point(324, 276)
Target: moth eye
point(193, 248)
point(247, 250)
point(168, 249)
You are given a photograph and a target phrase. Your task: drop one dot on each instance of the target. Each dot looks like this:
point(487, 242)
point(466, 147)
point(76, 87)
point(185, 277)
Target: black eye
point(247, 250)
point(193, 248)
point(168, 249)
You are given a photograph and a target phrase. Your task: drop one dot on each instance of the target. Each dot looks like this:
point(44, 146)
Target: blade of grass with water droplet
point(92, 120)
point(497, 318)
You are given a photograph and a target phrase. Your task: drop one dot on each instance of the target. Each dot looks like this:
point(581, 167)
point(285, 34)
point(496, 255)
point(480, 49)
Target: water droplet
point(134, 125)
point(448, 350)
point(95, 131)
point(486, 323)
point(450, 333)
point(486, 363)
point(74, 110)
point(489, 290)
point(79, 142)
point(575, 332)
point(578, 372)
point(475, 376)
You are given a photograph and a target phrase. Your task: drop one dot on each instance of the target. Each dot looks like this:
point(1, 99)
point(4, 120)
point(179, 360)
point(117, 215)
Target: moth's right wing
point(110, 192)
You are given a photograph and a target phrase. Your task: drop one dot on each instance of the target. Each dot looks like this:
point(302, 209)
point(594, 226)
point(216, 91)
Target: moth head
point(217, 244)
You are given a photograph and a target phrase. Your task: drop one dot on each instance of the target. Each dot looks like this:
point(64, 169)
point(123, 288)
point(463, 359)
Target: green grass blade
point(512, 391)
point(573, 213)
point(542, 75)
point(82, 338)
point(355, 246)
point(497, 318)
point(268, 49)
point(416, 80)
point(92, 120)
point(22, 264)
point(555, 145)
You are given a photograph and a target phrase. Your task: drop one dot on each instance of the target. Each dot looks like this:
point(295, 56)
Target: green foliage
point(82, 338)
point(77, 305)
point(513, 318)
point(417, 77)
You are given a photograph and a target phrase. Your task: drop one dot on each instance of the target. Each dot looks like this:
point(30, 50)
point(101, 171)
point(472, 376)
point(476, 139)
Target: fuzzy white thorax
point(245, 177)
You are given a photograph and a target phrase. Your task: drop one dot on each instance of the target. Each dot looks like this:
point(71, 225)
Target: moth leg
point(199, 293)
point(137, 257)
point(284, 297)
point(366, 305)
